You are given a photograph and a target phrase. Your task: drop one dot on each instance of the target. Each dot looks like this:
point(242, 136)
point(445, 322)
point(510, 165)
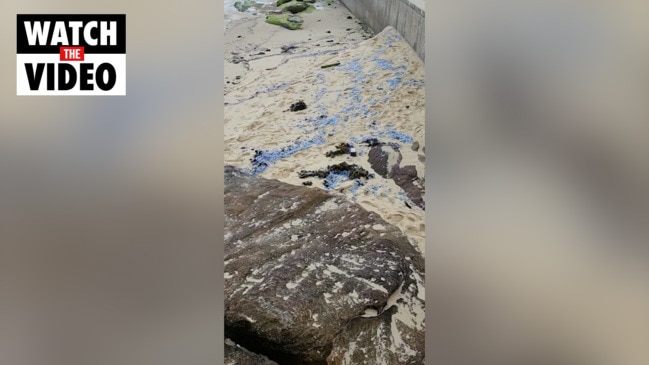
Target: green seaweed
point(282, 21)
point(294, 6)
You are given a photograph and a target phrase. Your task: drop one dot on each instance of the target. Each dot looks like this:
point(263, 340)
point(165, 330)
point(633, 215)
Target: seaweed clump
point(257, 162)
point(353, 171)
point(371, 142)
point(298, 105)
point(342, 149)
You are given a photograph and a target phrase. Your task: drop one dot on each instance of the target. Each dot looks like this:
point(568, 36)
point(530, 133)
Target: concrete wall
point(406, 16)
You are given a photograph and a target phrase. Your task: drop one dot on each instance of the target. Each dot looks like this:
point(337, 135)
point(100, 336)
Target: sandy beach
point(331, 106)
point(375, 91)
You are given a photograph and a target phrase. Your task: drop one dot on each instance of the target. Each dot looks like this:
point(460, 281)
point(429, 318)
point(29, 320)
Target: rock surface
point(311, 278)
point(235, 355)
point(283, 21)
point(294, 6)
point(386, 161)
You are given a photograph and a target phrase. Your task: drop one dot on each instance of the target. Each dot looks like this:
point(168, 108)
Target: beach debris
point(297, 106)
point(288, 48)
point(371, 142)
point(295, 19)
point(283, 21)
point(238, 59)
point(415, 146)
point(257, 161)
point(349, 17)
point(307, 183)
point(330, 65)
point(351, 171)
point(342, 149)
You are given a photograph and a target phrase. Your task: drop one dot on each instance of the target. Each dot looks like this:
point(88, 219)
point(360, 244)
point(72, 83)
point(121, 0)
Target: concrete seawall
point(406, 16)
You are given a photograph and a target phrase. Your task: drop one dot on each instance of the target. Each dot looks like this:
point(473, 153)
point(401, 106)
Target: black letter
point(85, 75)
point(66, 68)
point(34, 79)
point(50, 76)
point(99, 76)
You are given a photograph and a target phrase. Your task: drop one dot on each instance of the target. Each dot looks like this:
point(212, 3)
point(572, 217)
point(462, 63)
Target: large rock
point(311, 278)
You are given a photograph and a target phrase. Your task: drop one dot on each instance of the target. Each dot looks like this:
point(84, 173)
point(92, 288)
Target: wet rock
point(297, 106)
point(294, 7)
point(295, 19)
point(236, 355)
point(385, 160)
point(406, 178)
point(282, 21)
point(280, 2)
point(312, 279)
point(245, 5)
